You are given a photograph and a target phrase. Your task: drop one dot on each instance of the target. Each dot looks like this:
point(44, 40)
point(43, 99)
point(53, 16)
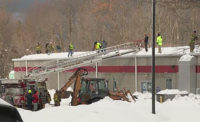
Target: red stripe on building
point(89, 69)
point(198, 69)
point(158, 69)
point(17, 69)
point(117, 69)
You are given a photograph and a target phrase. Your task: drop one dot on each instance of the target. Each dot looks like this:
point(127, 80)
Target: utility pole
point(153, 56)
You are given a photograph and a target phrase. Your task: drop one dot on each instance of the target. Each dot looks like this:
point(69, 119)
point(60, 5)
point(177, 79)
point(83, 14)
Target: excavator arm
point(77, 87)
point(76, 79)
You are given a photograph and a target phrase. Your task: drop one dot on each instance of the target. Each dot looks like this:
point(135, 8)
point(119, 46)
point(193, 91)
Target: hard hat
point(29, 91)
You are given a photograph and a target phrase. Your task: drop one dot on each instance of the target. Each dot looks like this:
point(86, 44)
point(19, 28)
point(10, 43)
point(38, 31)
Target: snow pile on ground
point(4, 102)
point(180, 109)
point(172, 91)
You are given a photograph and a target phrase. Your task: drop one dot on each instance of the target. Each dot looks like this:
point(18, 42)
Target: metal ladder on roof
point(88, 58)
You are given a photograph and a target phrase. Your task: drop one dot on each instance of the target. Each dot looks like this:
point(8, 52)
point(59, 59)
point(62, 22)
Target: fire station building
point(176, 68)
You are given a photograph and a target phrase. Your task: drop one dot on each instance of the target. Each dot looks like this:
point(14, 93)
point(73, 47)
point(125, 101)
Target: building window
point(146, 86)
point(114, 85)
point(168, 83)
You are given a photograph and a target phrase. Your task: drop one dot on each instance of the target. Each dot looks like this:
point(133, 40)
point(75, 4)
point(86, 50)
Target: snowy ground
point(181, 109)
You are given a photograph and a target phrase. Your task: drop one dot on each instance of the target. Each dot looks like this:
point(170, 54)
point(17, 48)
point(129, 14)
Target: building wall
point(122, 70)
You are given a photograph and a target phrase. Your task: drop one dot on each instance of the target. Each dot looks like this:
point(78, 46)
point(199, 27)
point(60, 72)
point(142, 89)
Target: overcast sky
point(19, 8)
point(22, 5)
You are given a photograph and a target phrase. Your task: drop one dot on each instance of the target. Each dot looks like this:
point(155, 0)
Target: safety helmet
point(29, 91)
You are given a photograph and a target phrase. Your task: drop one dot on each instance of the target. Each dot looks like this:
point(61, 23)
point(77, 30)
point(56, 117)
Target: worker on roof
point(159, 42)
point(104, 45)
point(46, 48)
point(94, 45)
point(97, 46)
point(146, 41)
point(50, 48)
point(193, 40)
point(71, 47)
point(38, 48)
point(29, 99)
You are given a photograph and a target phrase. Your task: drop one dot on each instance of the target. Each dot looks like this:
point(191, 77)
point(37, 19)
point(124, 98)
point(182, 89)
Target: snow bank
point(4, 102)
point(181, 109)
point(172, 91)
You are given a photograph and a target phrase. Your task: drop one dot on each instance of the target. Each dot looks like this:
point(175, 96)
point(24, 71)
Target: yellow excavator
point(89, 90)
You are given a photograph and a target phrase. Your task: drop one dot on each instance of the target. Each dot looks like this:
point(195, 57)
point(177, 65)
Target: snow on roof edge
point(186, 57)
point(166, 51)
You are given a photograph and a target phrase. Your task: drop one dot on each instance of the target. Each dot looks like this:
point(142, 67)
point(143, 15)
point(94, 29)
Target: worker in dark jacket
point(46, 46)
point(29, 99)
point(94, 47)
point(50, 48)
point(146, 41)
point(103, 45)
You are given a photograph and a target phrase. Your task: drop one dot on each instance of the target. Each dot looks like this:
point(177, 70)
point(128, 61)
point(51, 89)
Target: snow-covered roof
point(166, 51)
point(52, 56)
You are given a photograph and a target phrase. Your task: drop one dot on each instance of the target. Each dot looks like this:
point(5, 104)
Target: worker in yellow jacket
point(57, 98)
point(38, 48)
point(97, 46)
point(159, 42)
point(71, 48)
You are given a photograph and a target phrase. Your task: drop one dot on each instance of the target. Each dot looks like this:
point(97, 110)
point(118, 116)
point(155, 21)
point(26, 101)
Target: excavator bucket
point(121, 95)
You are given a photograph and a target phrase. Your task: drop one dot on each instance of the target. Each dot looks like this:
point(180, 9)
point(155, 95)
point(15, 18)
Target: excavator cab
point(92, 90)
